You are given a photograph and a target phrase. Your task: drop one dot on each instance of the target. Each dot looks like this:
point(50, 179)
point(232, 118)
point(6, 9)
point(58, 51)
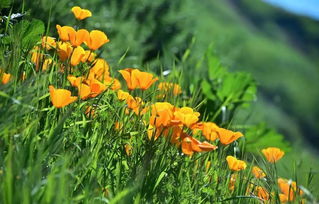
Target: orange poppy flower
point(89, 56)
point(66, 33)
point(96, 39)
point(136, 79)
point(162, 114)
point(80, 37)
point(80, 13)
point(153, 132)
point(195, 145)
point(5, 77)
point(227, 136)
point(289, 189)
point(187, 146)
point(132, 103)
point(177, 134)
point(235, 164)
point(84, 90)
point(273, 154)
point(191, 145)
point(258, 173)
point(75, 81)
point(205, 146)
point(36, 57)
point(209, 130)
point(48, 42)
point(130, 81)
point(65, 50)
point(96, 88)
point(122, 95)
point(283, 198)
point(113, 83)
point(186, 116)
point(77, 55)
point(262, 193)
point(176, 131)
point(100, 70)
point(61, 97)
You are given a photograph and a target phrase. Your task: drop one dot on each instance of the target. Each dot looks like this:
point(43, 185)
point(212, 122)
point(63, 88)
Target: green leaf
point(260, 136)
point(207, 90)
point(29, 32)
point(159, 179)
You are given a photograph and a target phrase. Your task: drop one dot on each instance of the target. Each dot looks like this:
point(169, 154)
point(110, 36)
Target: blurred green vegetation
point(287, 76)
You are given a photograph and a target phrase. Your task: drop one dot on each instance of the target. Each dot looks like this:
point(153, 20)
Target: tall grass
point(108, 153)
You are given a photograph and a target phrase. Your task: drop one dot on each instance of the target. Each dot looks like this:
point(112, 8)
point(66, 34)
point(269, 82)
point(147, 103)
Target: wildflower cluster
point(144, 99)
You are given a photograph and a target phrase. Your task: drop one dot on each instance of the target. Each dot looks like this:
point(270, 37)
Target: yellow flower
point(208, 129)
point(289, 189)
point(80, 13)
point(36, 57)
point(61, 97)
point(113, 83)
point(66, 33)
point(96, 88)
point(162, 114)
point(132, 103)
point(227, 136)
point(80, 37)
point(122, 95)
point(186, 116)
point(273, 154)
point(100, 70)
point(262, 193)
point(5, 77)
point(136, 79)
point(77, 55)
point(205, 146)
point(191, 145)
point(187, 146)
point(75, 81)
point(235, 164)
point(96, 39)
point(65, 50)
point(258, 173)
point(84, 90)
point(89, 56)
point(48, 42)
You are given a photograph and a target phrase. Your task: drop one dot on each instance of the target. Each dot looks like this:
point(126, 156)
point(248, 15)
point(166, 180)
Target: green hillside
point(287, 76)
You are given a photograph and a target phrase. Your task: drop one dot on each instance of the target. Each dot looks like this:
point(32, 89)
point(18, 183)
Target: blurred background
point(277, 41)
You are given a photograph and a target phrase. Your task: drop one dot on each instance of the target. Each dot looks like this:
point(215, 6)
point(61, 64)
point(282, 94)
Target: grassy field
point(181, 125)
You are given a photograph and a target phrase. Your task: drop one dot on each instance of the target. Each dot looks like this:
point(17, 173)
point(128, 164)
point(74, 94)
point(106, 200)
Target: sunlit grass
point(74, 130)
